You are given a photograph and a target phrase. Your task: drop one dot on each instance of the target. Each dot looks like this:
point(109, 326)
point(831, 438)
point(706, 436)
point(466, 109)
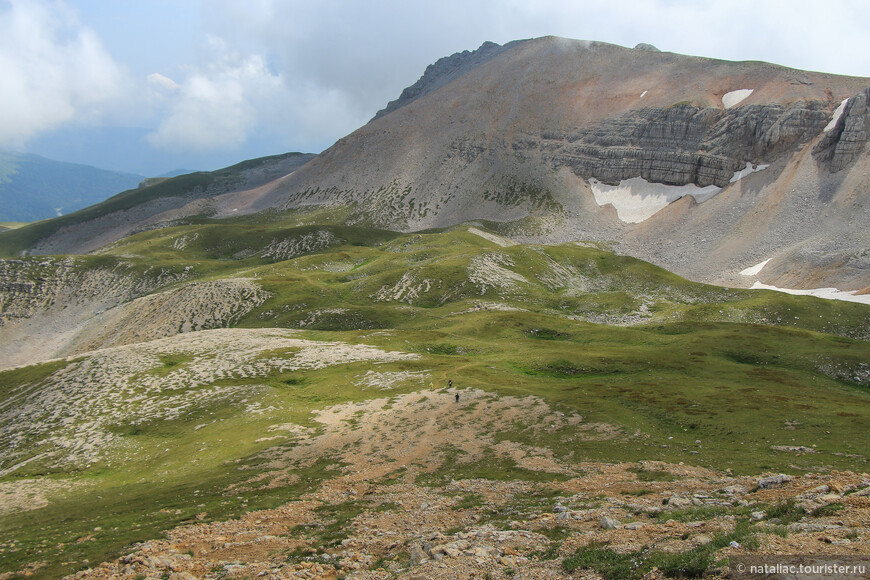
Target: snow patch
point(733, 98)
point(637, 199)
point(837, 114)
point(642, 94)
point(827, 293)
point(754, 270)
point(749, 169)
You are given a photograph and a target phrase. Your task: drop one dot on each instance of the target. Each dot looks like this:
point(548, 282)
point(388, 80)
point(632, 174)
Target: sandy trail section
point(397, 525)
point(419, 432)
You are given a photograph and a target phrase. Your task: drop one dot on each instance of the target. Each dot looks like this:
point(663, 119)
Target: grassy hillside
point(430, 275)
point(192, 186)
point(566, 359)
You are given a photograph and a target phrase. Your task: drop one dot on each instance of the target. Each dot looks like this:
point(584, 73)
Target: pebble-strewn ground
point(387, 515)
point(69, 412)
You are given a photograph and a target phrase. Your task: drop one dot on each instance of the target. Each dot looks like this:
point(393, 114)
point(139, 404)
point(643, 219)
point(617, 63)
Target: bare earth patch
point(396, 526)
point(30, 494)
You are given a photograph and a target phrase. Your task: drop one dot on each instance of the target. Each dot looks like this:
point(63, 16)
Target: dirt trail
point(417, 432)
point(399, 525)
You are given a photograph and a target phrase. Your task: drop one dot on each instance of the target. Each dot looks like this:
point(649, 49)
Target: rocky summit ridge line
point(705, 167)
point(528, 129)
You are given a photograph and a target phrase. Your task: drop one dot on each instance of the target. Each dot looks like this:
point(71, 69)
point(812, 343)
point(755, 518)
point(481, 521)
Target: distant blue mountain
point(34, 188)
point(116, 148)
point(126, 149)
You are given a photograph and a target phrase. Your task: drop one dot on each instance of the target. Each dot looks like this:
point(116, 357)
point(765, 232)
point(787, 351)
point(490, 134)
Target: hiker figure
point(450, 384)
point(457, 397)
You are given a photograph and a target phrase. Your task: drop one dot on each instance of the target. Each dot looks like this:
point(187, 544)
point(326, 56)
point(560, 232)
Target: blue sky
point(206, 83)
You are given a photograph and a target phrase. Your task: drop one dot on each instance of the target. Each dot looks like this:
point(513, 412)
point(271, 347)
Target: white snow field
point(827, 293)
point(637, 199)
point(734, 98)
point(750, 168)
point(837, 114)
point(754, 270)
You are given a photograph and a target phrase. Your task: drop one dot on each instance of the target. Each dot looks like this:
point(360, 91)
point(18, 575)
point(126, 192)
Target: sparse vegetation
point(645, 388)
point(785, 512)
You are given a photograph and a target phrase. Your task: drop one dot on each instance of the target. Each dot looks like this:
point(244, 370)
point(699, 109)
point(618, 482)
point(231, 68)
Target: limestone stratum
point(522, 324)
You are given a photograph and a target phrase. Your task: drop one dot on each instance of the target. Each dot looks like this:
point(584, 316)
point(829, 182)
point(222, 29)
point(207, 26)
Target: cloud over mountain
point(218, 80)
point(216, 106)
point(54, 70)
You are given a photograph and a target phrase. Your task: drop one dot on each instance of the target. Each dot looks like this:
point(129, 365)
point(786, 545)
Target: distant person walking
point(457, 397)
point(450, 384)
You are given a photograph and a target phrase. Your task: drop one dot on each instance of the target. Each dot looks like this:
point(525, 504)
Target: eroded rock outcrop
point(848, 138)
point(28, 287)
point(685, 143)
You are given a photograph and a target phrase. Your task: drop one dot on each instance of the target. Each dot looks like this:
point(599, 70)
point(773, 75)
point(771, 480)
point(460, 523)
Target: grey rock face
point(773, 481)
point(646, 46)
point(848, 139)
point(608, 523)
point(679, 502)
point(684, 143)
point(418, 556)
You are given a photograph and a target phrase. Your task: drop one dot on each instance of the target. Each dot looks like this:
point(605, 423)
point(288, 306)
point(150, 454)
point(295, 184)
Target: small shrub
point(693, 514)
point(652, 474)
point(551, 553)
point(827, 510)
point(690, 564)
point(638, 492)
point(786, 512)
point(778, 530)
point(610, 564)
point(470, 500)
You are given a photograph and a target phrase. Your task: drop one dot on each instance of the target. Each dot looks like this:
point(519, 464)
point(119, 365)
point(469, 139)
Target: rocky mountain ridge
point(528, 132)
point(847, 138)
point(442, 72)
point(704, 167)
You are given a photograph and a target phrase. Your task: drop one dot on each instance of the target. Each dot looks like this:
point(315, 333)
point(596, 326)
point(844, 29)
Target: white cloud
point(162, 83)
point(217, 106)
point(359, 55)
point(294, 74)
point(53, 70)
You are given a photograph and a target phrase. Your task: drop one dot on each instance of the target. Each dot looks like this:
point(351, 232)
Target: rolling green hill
point(593, 359)
point(155, 196)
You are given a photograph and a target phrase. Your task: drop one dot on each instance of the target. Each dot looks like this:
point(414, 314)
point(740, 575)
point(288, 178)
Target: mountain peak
point(444, 71)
